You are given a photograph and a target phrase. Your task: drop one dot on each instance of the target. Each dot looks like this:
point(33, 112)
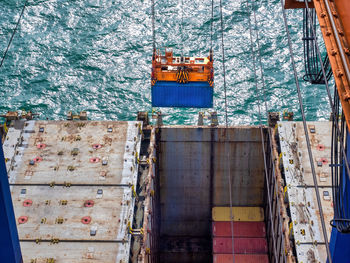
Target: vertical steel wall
point(272, 209)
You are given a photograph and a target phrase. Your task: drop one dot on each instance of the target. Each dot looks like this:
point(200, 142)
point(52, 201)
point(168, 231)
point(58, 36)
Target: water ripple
point(95, 55)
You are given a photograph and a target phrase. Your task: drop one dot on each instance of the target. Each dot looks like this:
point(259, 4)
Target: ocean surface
point(95, 55)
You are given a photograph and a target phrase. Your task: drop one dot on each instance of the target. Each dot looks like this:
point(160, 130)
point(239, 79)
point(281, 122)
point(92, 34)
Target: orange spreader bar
point(181, 69)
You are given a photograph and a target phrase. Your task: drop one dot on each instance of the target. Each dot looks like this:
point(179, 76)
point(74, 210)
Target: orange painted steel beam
point(334, 47)
point(343, 10)
point(294, 4)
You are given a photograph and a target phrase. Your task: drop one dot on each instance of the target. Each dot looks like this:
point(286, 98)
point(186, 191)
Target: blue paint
point(10, 251)
point(340, 243)
point(189, 95)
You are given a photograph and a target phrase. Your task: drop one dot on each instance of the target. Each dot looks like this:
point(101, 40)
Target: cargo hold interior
point(192, 211)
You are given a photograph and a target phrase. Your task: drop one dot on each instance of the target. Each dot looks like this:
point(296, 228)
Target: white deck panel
point(61, 140)
point(65, 173)
point(301, 193)
point(74, 252)
point(293, 144)
point(108, 214)
point(10, 145)
point(311, 253)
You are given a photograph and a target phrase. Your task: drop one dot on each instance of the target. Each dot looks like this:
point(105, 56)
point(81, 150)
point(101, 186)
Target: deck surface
point(71, 185)
point(301, 192)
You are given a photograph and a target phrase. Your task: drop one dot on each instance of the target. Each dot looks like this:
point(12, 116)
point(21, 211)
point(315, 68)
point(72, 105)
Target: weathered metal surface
point(73, 252)
point(311, 253)
point(295, 156)
point(293, 4)
point(278, 205)
point(300, 191)
point(148, 253)
point(73, 181)
point(185, 174)
point(246, 214)
point(202, 134)
point(343, 9)
point(305, 215)
point(184, 186)
point(75, 152)
point(223, 245)
point(70, 204)
point(10, 146)
point(245, 167)
point(193, 168)
point(240, 258)
point(240, 229)
point(334, 24)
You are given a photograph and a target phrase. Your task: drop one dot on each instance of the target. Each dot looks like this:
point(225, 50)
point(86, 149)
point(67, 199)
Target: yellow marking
point(250, 214)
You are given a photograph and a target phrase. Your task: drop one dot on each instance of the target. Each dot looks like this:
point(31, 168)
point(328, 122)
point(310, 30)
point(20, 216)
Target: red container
point(240, 229)
point(242, 245)
point(240, 258)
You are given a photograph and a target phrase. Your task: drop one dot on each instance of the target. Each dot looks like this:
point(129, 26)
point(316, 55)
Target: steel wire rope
point(266, 107)
point(153, 26)
point(313, 73)
point(182, 29)
point(260, 117)
point(334, 113)
point(227, 153)
point(13, 33)
point(339, 222)
point(325, 236)
point(211, 25)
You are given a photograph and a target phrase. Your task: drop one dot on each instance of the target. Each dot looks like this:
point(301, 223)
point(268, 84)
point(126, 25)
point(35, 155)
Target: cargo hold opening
point(192, 178)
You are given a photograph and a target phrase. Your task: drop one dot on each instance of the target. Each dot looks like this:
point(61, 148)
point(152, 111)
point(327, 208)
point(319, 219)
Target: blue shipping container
point(189, 95)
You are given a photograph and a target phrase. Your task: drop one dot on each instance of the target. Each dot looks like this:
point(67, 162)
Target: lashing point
point(89, 203)
point(86, 220)
point(22, 219)
point(27, 203)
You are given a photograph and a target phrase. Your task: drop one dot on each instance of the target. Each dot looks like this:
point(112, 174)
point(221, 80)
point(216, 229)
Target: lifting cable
point(337, 129)
point(13, 33)
point(227, 144)
point(182, 29)
point(313, 73)
point(153, 28)
point(267, 113)
point(260, 117)
point(211, 26)
point(312, 165)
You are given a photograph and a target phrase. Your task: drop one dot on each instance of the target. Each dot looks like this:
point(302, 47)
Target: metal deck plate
point(74, 252)
point(300, 189)
point(71, 185)
point(59, 212)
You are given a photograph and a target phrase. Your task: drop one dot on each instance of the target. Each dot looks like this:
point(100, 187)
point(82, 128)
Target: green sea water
point(95, 55)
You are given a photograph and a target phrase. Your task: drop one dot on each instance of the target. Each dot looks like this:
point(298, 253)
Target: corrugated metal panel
point(240, 258)
point(223, 245)
point(239, 214)
point(190, 95)
point(240, 229)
